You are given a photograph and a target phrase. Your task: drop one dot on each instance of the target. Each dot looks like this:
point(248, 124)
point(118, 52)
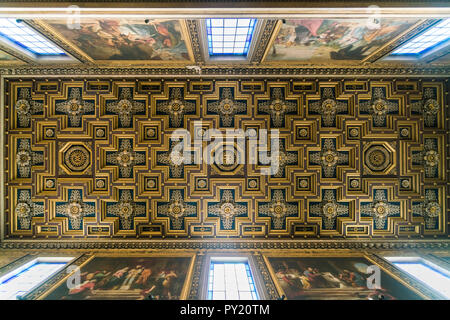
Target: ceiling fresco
point(329, 40)
point(94, 158)
point(124, 39)
point(168, 42)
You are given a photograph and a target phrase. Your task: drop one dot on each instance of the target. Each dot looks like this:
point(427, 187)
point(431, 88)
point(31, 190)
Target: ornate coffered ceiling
point(93, 158)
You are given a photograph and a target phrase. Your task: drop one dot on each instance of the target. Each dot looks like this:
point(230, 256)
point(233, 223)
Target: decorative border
point(264, 272)
point(194, 291)
point(231, 245)
point(263, 40)
point(232, 70)
point(383, 264)
point(16, 54)
point(17, 263)
point(193, 27)
point(52, 34)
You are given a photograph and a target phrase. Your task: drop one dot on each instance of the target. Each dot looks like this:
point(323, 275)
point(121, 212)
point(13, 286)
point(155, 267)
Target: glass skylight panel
point(23, 279)
point(432, 37)
point(230, 280)
point(229, 36)
point(425, 272)
point(27, 38)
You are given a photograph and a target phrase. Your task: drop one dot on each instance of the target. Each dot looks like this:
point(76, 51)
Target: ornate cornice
point(194, 31)
point(232, 245)
point(264, 39)
point(235, 70)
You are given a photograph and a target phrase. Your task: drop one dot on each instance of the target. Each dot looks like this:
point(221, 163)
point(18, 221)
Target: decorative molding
point(194, 31)
point(271, 290)
point(233, 70)
point(194, 290)
point(17, 263)
point(231, 245)
point(16, 54)
point(263, 40)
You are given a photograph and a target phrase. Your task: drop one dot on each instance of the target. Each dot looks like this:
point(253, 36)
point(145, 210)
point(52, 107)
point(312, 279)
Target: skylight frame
point(410, 48)
point(402, 264)
point(239, 265)
point(220, 31)
point(35, 280)
point(28, 39)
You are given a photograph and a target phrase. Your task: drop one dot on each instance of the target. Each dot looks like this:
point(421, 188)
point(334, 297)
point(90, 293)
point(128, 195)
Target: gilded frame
point(386, 267)
point(53, 283)
point(375, 56)
point(83, 57)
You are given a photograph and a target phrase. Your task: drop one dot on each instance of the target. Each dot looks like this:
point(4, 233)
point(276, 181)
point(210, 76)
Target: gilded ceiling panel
point(102, 158)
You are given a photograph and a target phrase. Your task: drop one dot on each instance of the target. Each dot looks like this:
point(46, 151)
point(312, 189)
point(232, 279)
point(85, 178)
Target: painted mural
point(327, 39)
point(131, 39)
point(128, 278)
point(5, 57)
point(327, 278)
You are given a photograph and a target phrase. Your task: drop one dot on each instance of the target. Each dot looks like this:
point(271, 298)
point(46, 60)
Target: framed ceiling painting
point(320, 276)
point(130, 277)
point(7, 59)
point(331, 41)
point(129, 41)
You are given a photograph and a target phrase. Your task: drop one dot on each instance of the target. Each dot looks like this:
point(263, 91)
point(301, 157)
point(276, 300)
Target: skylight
point(231, 279)
point(426, 272)
point(27, 38)
point(23, 279)
point(229, 37)
point(432, 37)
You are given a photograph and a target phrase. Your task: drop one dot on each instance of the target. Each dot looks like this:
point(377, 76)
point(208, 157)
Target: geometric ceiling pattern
point(94, 158)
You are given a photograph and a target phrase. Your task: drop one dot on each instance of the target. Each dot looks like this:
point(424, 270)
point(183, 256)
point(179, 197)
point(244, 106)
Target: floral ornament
point(25, 158)
point(75, 107)
point(278, 209)
point(174, 159)
point(328, 107)
point(284, 158)
point(227, 209)
point(328, 158)
point(428, 107)
point(429, 209)
point(378, 107)
point(26, 209)
point(227, 108)
point(428, 158)
point(177, 209)
point(126, 209)
point(125, 107)
point(25, 107)
point(125, 158)
point(176, 107)
point(277, 107)
point(329, 209)
point(380, 209)
point(76, 209)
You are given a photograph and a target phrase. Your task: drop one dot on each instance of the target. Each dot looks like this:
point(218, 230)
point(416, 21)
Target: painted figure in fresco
point(144, 277)
point(117, 278)
point(352, 279)
point(115, 39)
point(132, 274)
